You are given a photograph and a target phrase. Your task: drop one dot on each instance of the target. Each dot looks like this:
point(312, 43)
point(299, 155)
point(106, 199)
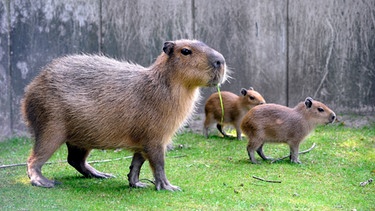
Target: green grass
point(214, 174)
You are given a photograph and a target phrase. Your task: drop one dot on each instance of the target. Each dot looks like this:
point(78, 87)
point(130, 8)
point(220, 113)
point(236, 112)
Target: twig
point(264, 180)
point(177, 156)
point(302, 152)
point(49, 163)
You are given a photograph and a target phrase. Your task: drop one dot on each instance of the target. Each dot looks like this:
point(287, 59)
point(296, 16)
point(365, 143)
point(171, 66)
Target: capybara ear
point(168, 47)
point(308, 102)
point(251, 88)
point(243, 91)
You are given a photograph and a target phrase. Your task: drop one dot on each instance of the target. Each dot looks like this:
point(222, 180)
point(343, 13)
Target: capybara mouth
point(218, 76)
point(216, 80)
point(331, 121)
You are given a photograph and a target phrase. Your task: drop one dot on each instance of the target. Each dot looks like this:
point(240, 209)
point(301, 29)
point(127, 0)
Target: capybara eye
point(185, 51)
point(320, 109)
point(252, 98)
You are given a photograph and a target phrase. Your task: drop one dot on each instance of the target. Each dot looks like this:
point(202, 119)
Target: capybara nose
point(217, 60)
point(217, 64)
point(333, 117)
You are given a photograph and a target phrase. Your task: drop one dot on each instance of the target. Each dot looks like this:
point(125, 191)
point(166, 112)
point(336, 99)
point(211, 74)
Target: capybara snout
point(280, 124)
point(95, 102)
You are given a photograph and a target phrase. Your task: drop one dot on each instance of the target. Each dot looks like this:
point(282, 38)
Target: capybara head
point(318, 113)
point(251, 98)
point(203, 66)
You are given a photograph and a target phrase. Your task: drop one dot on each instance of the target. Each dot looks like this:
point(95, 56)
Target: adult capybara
point(235, 107)
point(95, 102)
point(280, 124)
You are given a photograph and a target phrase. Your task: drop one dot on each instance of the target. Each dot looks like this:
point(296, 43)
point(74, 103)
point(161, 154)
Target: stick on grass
point(264, 180)
point(303, 152)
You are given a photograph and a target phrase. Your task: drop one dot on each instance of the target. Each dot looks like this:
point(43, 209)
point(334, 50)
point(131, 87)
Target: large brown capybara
point(235, 107)
point(280, 124)
point(95, 102)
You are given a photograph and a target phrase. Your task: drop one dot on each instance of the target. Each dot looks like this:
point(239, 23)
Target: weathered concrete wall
point(5, 95)
point(252, 37)
point(286, 50)
point(332, 53)
point(40, 31)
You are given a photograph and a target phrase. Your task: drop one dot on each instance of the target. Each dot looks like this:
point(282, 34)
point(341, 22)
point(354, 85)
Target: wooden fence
point(285, 49)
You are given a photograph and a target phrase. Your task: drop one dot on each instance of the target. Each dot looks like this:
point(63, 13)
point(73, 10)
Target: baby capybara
point(235, 107)
point(95, 102)
point(280, 124)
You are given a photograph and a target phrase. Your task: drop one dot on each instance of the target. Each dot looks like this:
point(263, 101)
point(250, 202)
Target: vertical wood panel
point(135, 30)
point(330, 44)
point(252, 37)
point(332, 53)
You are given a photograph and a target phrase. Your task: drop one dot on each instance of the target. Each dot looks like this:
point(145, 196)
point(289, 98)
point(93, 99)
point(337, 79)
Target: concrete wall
point(287, 50)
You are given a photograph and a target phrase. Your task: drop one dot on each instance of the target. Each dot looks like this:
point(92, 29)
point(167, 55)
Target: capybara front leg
point(238, 131)
point(156, 159)
point(135, 169)
point(77, 158)
point(294, 148)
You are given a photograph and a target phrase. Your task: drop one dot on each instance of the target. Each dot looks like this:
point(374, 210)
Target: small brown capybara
point(95, 102)
point(235, 107)
point(280, 124)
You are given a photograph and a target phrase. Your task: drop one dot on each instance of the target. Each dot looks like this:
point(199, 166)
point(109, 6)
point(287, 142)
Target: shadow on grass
point(89, 185)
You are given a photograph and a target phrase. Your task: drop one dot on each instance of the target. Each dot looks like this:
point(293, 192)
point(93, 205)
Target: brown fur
point(95, 102)
point(280, 124)
point(235, 107)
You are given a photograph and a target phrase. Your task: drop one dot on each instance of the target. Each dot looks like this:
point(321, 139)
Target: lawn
point(214, 174)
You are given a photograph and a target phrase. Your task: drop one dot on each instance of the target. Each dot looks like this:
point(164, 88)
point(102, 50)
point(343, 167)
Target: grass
point(214, 174)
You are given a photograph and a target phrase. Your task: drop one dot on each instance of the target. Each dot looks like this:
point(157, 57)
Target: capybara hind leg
point(34, 171)
point(261, 153)
point(156, 159)
point(238, 131)
point(135, 169)
point(294, 153)
point(251, 147)
point(40, 154)
point(220, 128)
point(77, 158)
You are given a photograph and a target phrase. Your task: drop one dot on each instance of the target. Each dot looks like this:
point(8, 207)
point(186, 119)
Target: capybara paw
point(100, 175)
point(267, 158)
point(296, 161)
point(168, 187)
point(43, 182)
point(138, 185)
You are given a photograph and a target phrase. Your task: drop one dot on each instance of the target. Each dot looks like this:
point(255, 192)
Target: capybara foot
point(254, 162)
point(296, 161)
point(163, 184)
point(41, 181)
point(138, 185)
point(100, 175)
point(167, 186)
